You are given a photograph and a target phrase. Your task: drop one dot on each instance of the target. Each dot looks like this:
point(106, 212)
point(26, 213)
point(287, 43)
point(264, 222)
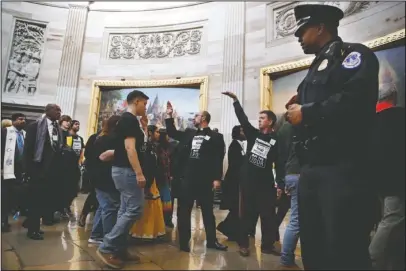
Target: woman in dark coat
point(230, 186)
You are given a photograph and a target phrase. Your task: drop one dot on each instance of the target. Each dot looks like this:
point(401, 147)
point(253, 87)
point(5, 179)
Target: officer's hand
point(292, 100)
point(230, 94)
point(294, 114)
point(216, 184)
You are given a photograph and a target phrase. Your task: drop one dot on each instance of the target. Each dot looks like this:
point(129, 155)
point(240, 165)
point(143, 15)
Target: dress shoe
point(245, 252)
point(271, 251)
point(41, 232)
point(35, 236)
point(218, 246)
point(184, 248)
point(111, 260)
point(5, 228)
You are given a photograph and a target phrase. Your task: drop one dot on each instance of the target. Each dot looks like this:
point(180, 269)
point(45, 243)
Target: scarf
point(9, 152)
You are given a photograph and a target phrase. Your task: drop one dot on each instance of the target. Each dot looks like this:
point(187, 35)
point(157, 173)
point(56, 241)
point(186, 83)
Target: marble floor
point(66, 248)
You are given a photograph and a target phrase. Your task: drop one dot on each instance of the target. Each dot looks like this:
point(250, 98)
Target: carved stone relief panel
point(167, 44)
point(284, 17)
point(25, 58)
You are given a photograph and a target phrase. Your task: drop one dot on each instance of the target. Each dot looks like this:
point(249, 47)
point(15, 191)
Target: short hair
point(136, 94)
point(271, 116)
point(64, 118)
point(15, 116)
point(216, 130)
point(206, 116)
point(49, 107)
point(75, 121)
point(151, 129)
point(236, 132)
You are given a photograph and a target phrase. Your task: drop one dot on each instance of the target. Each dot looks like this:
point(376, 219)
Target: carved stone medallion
point(25, 58)
point(154, 45)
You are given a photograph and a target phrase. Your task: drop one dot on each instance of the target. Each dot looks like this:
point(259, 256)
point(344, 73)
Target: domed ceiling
point(123, 6)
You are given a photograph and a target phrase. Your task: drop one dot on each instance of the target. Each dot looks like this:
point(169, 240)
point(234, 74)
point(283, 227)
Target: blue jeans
point(292, 230)
point(106, 215)
point(131, 207)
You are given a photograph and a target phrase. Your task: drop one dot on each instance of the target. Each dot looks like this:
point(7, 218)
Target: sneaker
point(95, 241)
point(110, 260)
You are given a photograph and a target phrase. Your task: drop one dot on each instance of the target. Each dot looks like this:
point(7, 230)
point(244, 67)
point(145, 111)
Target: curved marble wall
point(235, 40)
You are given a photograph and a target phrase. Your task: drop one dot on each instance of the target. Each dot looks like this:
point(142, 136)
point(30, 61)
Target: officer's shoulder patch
point(352, 61)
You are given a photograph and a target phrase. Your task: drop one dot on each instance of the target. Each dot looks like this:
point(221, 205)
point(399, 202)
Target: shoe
point(41, 232)
point(95, 241)
point(5, 228)
point(35, 236)
point(25, 223)
point(82, 221)
point(127, 256)
point(245, 252)
point(110, 260)
point(218, 246)
point(270, 251)
point(184, 248)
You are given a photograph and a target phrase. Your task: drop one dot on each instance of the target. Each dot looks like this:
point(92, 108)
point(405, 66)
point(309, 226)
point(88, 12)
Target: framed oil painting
point(279, 82)
point(188, 96)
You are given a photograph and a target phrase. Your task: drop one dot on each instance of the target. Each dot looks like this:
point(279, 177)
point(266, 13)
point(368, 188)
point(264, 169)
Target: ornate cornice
point(151, 83)
point(304, 63)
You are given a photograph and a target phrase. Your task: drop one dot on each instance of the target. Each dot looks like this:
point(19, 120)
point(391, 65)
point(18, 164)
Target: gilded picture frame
point(198, 82)
point(298, 65)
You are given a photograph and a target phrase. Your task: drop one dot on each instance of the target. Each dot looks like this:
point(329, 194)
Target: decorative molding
point(171, 44)
point(25, 57)
point(285, 23)
point(304, 63)
point(201, 82)
point(266, 82)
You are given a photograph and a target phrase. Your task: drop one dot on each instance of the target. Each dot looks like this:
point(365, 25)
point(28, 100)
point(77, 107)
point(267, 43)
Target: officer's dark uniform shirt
point(338, 98)
point(261, 150)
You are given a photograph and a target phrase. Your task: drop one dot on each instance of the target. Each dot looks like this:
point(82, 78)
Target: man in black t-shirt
point(201, 157)
point(129, 180)
point(258, 191)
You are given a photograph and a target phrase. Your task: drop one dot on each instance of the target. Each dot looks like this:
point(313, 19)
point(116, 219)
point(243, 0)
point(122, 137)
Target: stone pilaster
point(71, 58)
point(233, 65)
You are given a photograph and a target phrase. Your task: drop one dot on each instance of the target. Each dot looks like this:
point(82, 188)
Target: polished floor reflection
point(66, 248)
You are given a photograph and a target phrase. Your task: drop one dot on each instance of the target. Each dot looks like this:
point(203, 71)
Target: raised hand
point(230, 94)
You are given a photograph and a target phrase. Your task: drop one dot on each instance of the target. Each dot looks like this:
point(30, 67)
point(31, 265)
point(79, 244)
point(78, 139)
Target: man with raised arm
point(201, 155)
point(258, 182)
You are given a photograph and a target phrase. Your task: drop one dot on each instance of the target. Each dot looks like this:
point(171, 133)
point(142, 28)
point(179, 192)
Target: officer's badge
point(323, 65)
point(352, 61)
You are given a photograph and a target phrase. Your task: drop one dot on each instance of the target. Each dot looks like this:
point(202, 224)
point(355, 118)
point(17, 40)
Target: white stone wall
point(257, 38)
point(56, 19)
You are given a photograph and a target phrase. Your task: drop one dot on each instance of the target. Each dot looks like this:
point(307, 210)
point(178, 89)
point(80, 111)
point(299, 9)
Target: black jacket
point(211, 154)
point(389, 152)
point(338, 94)
point(231, 185)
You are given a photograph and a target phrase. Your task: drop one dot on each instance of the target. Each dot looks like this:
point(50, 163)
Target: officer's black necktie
point(55, 137)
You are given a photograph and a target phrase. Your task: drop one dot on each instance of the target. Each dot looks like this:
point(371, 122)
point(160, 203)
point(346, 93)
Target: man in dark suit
point(42, 156)
point(201, 153)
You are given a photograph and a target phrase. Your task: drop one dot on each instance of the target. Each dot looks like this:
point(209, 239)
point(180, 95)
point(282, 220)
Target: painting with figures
point(25, 58)
point(391, 79)
point(185, 101)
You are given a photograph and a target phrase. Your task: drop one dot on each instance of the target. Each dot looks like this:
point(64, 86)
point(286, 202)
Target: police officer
point(333, 113)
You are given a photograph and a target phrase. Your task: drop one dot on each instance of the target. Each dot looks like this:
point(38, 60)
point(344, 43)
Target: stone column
point(71, 59)
point(233, 65)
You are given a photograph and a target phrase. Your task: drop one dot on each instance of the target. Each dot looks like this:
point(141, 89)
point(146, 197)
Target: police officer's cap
point(316, 14)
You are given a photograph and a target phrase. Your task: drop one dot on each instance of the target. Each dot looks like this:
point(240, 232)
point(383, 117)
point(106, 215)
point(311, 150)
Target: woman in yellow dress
point(151, 226)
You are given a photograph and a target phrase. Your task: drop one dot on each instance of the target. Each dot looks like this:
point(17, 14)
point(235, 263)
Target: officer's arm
point(361, 87)
point(249, 130)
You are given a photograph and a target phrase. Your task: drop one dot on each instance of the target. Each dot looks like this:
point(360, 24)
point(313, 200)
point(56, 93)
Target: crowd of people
point(319, 160)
